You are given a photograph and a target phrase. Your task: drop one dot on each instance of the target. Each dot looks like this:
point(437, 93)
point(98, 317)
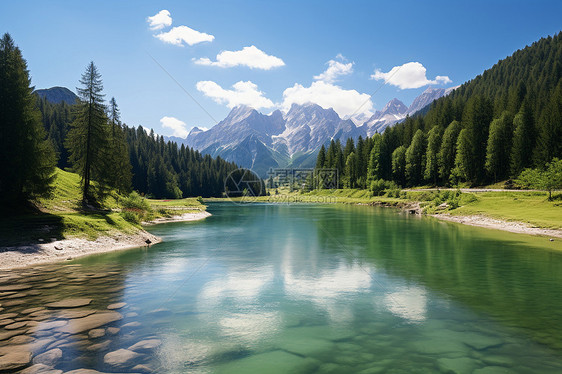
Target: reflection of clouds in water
point(250, 327)
point(175, 265)
point(330, 288)
point(242, 285)
point(408, 303)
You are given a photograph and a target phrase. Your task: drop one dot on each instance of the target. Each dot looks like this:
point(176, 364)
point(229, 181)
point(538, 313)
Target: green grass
point(61, 215)
point(529, 207)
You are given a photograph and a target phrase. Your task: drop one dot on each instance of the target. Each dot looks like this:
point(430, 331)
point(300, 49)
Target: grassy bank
point(62, 216)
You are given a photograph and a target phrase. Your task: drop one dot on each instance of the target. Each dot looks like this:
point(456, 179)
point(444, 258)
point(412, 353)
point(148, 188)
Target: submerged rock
point(146, 345)
point(96, 333)
point(17, 359)
point(121, 359)
point(94, 321)
point(49, 358)
point(69, 303)
point(40, 369)
point(116, 306)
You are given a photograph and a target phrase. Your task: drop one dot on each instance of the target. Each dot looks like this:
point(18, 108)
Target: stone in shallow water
point(50, 325)
point(78, 313)
point(99, 346)
point(146, 345)
point(20, 339)
point(142, 369)
point(116, 306)
point(121, 359)
point(131, 325)
point(8, 315)
point(84, 371)
point(5, 322)
point(40, 369)
point(14, 302)
point(32, 310)
point(15, 326)
point(69, 303)
point(96, 333)
point(49, 358)
point(10, 334)
point(15, 287)
point(480, 341)
point(113, 330)
point(275, 362)
point(457, 365)
point(17, 359)
point(80, 325)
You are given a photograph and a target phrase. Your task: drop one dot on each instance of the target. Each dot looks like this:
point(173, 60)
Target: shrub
point(380, 186)
point(135, 208)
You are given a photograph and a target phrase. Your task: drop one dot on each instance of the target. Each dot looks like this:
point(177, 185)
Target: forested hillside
point(488, 130)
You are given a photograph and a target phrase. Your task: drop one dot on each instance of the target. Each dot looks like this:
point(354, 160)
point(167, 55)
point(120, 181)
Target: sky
point(173, 65)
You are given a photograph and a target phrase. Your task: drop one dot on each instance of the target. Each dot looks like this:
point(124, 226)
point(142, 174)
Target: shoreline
point(23, 256)
point(497, 224)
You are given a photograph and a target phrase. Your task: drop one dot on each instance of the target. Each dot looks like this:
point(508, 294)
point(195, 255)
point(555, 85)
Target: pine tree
point(88, 139)
point(374, 171)
point(431, 172)
point(499, 147)
point(463, 157)
point(120, 173)
point(27, 159)
point(321, 158)
point(351, 170)
point(523, 140)
point(476, 119)
point(415, 158)
point(448, 150)
point(549, 141)
point(399, 165)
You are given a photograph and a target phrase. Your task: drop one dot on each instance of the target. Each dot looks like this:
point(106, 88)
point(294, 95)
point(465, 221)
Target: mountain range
point(292, 139)
point(57, 95)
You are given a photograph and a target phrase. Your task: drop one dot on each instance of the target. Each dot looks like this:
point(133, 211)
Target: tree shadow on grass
point(30, 229)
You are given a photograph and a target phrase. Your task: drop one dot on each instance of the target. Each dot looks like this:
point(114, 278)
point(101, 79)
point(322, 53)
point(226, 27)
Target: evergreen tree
point(431, 172)
point(399, 165)
point(88, 139)
point(374, 171)
point(321, 158)
point(27, 159)
point(499, 146)
point(463, 157)
point(120, 165)
point(448, 150)
point(476, 119)
point(352, 168)
point(415, 158)
point(549, 141)
point(523, 140)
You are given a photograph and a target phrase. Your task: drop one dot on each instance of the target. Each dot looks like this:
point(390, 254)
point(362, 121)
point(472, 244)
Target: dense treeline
point(164, 170)
point(27, 159)
point(159, 169)
point(489, 129)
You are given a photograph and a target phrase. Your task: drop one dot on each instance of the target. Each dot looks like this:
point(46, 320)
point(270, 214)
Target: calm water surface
point(303, 289)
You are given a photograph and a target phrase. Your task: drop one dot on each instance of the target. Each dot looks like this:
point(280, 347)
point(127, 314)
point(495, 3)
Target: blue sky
point(278, 51)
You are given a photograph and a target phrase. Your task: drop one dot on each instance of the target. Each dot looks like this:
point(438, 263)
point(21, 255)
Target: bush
point(380, 186)
point(135, 208)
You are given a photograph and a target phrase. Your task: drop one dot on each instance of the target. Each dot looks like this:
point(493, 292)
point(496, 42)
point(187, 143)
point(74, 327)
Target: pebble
point(116, 306)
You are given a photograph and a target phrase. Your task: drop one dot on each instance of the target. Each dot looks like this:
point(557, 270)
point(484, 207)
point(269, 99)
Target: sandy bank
point(491, 223)
point(71, 248)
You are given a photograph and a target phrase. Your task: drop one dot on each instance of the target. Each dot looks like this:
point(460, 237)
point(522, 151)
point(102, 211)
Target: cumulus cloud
point(243, 93)
point(179, 127)
point(335, 70)
point(251, 57)
point(327, 95)
point(183, 34)
point(409, 75)
point(159, 20)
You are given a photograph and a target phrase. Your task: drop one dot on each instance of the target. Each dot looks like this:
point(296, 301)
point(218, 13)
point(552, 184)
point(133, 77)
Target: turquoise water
point(316, 289)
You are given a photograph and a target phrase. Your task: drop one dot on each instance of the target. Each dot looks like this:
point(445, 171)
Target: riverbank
point(25, 255)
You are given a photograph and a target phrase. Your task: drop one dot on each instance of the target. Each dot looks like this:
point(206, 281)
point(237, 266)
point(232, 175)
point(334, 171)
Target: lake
point(263, 288)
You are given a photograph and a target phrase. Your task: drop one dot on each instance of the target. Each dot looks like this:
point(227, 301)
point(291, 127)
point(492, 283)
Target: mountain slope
point(56, 95)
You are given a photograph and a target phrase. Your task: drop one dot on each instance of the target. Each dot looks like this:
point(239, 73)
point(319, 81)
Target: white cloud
point(327, 95)
point(335, 70)
point(243, 93)
point(179, 127)
point(251, 56)
point(409, 75)
point(160, 20)
point(183, 34)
